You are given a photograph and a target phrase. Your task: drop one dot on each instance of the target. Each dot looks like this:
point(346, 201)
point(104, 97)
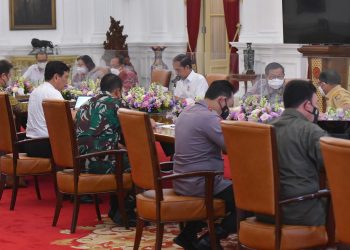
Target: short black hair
point(220, 88)
point(87, 61)
point(296, 92)
point(330, 76)
point(5, 67)
point(272, 66)
point(184, 60)
point(110, 82)
point(55, 67)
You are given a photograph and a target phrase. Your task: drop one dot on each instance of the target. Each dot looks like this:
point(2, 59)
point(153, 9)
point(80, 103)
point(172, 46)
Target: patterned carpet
point(110, 236)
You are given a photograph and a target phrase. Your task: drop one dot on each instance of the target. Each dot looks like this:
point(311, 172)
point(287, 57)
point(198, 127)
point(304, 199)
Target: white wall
point(82, 25)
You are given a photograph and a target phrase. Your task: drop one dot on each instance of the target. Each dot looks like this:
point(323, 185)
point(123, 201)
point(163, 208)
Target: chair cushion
point(175, 207)
point(25, 165)
point(258, 235)
point(90, 183)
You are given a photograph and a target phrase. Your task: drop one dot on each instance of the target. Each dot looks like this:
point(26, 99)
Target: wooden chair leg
point(159, 235)
point(2, 184)
point(14, 192)
point(37, 190)
point(121, 206)
point(139, 229)
point(75, 213)
point(59, 198)
point(212, 234)
point(97, 207)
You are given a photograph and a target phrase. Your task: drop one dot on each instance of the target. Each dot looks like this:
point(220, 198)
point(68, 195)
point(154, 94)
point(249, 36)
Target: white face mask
point(41, 65)
point(115, 71)
point(275, 83)
point(321, 91)
point(82, 70)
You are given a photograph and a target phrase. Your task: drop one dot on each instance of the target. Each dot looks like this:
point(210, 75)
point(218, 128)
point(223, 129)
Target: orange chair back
point(61, 132)
point(161, 76)
point(336, 154)
point(140, 143)
point(213, 77)
point(252, 154)
point(7, 125)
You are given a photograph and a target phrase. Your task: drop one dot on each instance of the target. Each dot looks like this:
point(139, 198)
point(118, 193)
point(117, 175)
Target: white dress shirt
point(34, 75)
point(191, 88)
point(36, 124)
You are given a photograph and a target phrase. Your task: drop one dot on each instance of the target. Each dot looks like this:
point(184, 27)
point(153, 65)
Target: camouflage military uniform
point(98, 129)
point(338, 97)
point(16, 105)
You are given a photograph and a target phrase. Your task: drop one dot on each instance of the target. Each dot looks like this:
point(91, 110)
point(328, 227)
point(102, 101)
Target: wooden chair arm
point(210, 174)
point(318, 194)
point(100, 153)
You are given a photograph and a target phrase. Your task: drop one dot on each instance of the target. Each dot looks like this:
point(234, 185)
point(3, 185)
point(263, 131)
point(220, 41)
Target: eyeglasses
point(275, 77)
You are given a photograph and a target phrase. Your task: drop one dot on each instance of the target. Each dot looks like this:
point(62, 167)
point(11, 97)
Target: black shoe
point(183, 241)
point(86, 199)
point(117, 218)
point(204, 243)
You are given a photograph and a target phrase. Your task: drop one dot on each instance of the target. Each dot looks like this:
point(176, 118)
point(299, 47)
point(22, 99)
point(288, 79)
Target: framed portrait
point(32, 14)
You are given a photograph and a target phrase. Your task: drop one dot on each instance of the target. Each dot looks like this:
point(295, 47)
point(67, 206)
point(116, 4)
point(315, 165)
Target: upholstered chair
point(336, 154)
point(13, 163)
point(154, 203)
point(214, 77)
point(161, 76)
point(252, 153)
point(67, 165)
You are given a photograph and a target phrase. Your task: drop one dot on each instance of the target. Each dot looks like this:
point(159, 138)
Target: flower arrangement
point(256, 109)
point(335, 114)
point(155, 100)
point(87, 88)
point(19, 86)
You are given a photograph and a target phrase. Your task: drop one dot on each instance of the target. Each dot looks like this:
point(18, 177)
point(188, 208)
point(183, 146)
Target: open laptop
point(80, 101)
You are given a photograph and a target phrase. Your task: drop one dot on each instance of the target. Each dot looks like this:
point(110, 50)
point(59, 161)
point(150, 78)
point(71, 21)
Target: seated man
point(5, 75)
point(129, 80)
point(191, 85)
point(98, 129)
point(35, 73)
point(329, 86)
point(299, 155)
point(56, 77)
point(272, 87)
point(199, 142)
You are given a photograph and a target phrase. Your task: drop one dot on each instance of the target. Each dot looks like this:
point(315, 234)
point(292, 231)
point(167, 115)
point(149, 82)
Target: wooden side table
point(244, 78)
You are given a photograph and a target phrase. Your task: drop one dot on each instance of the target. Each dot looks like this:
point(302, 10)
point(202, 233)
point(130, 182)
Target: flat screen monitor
point(81, 100)
point(316, 21)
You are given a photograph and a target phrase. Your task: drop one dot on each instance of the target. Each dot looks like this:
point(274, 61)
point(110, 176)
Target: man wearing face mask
point(5, 76)
point(329, 87)
point(35, 73)
point(299, 155)
point(272, 87)
point(198, 147)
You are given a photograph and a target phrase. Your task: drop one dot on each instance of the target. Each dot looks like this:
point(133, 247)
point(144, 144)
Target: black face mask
point(225, 111)
point(315, 113)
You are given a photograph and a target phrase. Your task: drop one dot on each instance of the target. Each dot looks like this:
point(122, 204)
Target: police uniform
point(338, 97)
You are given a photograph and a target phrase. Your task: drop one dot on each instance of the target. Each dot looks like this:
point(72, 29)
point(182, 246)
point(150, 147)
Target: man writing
point(198, 147)
point(329, 86)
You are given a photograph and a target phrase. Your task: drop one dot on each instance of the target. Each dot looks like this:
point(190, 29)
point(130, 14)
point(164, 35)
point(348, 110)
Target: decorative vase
point(248, 59)
point(158, 63)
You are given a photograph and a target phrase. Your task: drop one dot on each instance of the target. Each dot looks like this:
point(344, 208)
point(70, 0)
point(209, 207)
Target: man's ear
point(117, 93)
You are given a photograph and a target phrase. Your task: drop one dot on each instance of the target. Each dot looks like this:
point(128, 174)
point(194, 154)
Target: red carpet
point(29, 225)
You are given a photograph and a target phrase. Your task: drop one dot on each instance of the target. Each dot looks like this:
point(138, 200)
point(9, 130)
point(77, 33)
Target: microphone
point(174, 81)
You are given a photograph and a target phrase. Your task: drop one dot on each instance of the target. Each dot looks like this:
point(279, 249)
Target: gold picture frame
point(32, 14)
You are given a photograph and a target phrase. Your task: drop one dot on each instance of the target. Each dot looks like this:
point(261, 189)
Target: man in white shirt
point(56, 77)
point(191, 85)
point(35, 73)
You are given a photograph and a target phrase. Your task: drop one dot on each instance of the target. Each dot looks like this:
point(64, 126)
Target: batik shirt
point(16, 105)
point(98, 129)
